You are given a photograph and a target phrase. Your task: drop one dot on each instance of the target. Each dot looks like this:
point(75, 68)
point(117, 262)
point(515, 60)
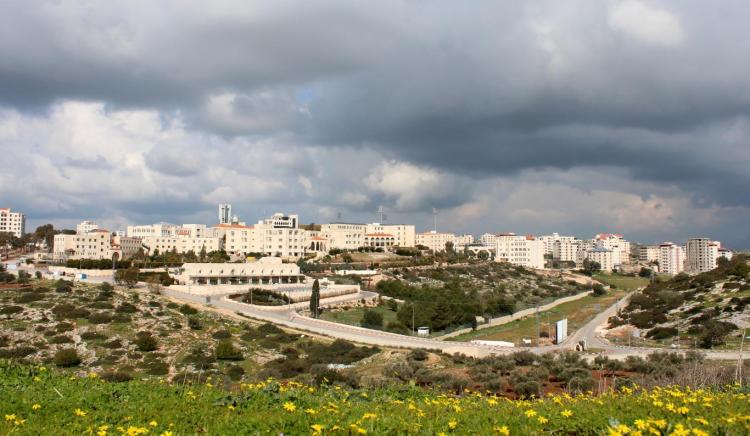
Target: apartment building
point(463, 241)
point(12, 222)
point(549, 242)
point(96, 244)
point(488, 239)
point(526, 251)
point(603, 256)
point(617, 243)
point(281, 236)
point(701, 254)
point(435, 241)
point(649, 253)
point(671, 258)
point(566, 249)
point(86, 227)
point(158, 229)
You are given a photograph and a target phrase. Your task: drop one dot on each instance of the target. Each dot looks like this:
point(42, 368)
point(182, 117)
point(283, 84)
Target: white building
point(86, 227)
point(566, 249)
point(525, 251)
point(96, 244)
point(12, 222)
point(463, 241)
point(671, 258)
point(725, 253)
point(181, 244)
point(488, 239)
point(351, 236)
point(602, 256)
point(649, 253)
point(701, 254)
point(549, 242)
point(617, 243)
point(435, 241)
point(158, 229)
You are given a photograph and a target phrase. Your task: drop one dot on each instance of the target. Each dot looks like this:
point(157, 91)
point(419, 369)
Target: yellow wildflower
point(369, 416)
point(153, 423)
point(11, 417)
point(679, 430)
point(543, 420)
point(317, 428)
point(566, 413)
point(289, 406)
point(502, 430)
point(640, 424)
point(36, 406)
point(530, 413)
point(230, 407)
point(492, 401)
point(452, 424)
point(701, 420)
point(166, 433)
point(79, 412)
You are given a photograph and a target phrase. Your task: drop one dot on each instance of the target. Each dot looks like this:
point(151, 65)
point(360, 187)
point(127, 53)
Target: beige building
point(701, 254)
point(671, 258)
point(266, 270)
point(463, 240)
point(488, 239)
point(526, 251)
point(181, 244)
point(86, 227)
point(12, 222)
point(549, 243)
point(602, 256)
point(617, 243)
point(435, 241)
point(143, 231)
point(97, 244)
point(566, 249)
point(649, 253)
point(351, 236)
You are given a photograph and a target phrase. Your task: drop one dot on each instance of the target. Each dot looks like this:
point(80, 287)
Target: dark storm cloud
point(657, 91)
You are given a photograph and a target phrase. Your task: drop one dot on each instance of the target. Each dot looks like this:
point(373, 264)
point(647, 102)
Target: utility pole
point(413, 331)
point(434, 219)
point(537, 326)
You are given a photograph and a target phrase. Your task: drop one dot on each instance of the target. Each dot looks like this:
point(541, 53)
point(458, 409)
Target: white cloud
point(646, 22)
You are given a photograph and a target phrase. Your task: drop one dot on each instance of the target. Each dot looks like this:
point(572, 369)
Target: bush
point(194, 323)
point(662, 332)
point(528, 389)
point(372, 319)
point(90, 336)
point(222, 334)
point(61, 339)
point(598, 290)
point(100, 318)
point(146, 342)
point(126, 308)
point(10, 310)
point(188, 310)
point(66, 357)
point(117, 376)
point(225, 350)
point(235, 372)
point(419, 355)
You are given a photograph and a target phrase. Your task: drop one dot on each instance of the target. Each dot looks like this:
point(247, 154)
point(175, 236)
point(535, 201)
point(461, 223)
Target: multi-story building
point(463, 241)
point(435, 241)
point(602, 256)
point(96, 244)
point(281, 236)
point(181, 244)
point(525, 251)
point(158, 229)
point(619, 246)
point(566, 249)
point(12, 222)
point(649, 253)
point(488, 239)
point(701, 254)
point(725, 253)
point(225, 213)
point(671, 258)
point(86, 227)
point(549, 241)
point(351, 236)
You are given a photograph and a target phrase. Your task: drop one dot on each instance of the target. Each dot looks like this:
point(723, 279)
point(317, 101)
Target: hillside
point(707, 310)
point(39, 400)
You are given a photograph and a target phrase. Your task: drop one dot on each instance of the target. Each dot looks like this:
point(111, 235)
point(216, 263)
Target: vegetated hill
point(449, 297)
point(43, 401)
point(709, 309)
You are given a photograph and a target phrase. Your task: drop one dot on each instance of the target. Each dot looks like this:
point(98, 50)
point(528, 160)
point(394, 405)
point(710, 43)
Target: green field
point(354, 315)
point(626, 283)
point(578, 312)
point(37, 401)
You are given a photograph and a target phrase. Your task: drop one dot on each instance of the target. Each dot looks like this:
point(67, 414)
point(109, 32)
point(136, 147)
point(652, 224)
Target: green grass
point(626, 283)
point(578, 312)
point(44, 402)
point(354, 315)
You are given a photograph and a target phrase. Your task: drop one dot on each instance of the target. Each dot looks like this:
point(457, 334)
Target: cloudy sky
point(537, 116)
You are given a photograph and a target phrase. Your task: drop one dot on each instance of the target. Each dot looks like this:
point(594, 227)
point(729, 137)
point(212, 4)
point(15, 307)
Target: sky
point(575, 117)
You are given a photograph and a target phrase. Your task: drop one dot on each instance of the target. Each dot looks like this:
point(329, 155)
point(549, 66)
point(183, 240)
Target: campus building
point(649, 253)
point(701, 254)
point(526, 251)
point(86, 227)
point(96, 244)
point(671, 258)
point(351, 236)
point(435, 241)
point(264, 271)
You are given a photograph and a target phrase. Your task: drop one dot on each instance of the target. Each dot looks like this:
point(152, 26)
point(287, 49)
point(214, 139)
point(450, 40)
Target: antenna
point(381, 213)
point(434, 219)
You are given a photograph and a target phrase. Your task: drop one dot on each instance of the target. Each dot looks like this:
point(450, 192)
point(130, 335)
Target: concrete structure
point(159, 229)
point(267, 270)
point(725, 253)
point(181, 244)
point(97, 244)
point(462, 241)
point(549, 243)
point(701, 254)
point(566, 249)
point(12, 222)
point(671, 258)
point(488, 239)
point(603, 256)
point(649, 253)
point(225, 213)
point(86, 227)
point(435, 241)
point(526, 251)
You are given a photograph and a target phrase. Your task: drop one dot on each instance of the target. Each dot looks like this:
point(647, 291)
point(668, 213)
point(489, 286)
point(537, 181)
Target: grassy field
point(578, 312)
point(626, 283)
point(37, 401)
point(354, 316)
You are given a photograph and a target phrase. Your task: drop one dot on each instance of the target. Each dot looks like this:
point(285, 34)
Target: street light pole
point(412, 319)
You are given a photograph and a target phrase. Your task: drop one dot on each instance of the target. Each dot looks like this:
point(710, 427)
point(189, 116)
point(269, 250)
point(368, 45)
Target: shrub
point(662, 332)
point(126, 308)
point(100, 318)
point(117, 376)
point(90, 336)
point(372, 319)
point(225, 350)
point(28, 297)
point(524, 358)
point(105, 287)
point(269, 329)
point(146, 342)
point(598, 290)
point(188, 310)
point(418, 354)
point(235, 372)
point(528, 389)
point(222, 334)
point(10, 310)
point(61, 339)
point(66, 357)
point(194, 323)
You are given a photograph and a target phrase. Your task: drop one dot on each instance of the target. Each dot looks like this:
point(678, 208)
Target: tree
point(315, 299)
point(127, 277)
point(483, 255)
point(598, 290)
point(203, 254)
point(449, 247)
point(589, 267)
point(645, 272)
point(372, 319)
